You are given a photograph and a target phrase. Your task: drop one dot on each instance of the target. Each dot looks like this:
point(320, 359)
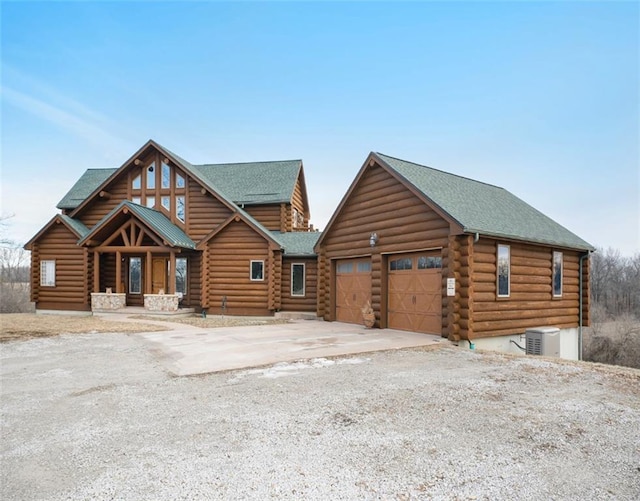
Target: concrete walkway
point(190, 350)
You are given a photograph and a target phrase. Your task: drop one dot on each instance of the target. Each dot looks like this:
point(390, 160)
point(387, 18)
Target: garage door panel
point(353, 289)
point(415, 293)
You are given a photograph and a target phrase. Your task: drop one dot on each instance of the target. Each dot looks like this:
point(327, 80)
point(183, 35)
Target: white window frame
point(261, 279)
point(304, 279)
point(554, 271)
point(48, 273)
point(508, 248)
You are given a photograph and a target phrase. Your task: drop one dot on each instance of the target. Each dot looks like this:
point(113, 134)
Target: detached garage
point(442, 254)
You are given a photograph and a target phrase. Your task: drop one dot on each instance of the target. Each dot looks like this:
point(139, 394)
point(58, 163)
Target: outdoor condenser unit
point(543, 341)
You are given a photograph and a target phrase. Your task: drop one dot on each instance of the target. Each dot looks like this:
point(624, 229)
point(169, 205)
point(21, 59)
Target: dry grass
point(212, 322)
point(19, 326)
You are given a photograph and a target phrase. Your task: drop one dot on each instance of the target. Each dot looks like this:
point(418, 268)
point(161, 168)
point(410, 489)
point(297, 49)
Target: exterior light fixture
point(373, 239)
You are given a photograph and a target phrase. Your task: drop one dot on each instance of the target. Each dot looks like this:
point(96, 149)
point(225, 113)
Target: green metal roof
point(297, 243)
point(483, 208)
point(157, 221)
point(88, 182)
point(253, 183)
point(77, 226)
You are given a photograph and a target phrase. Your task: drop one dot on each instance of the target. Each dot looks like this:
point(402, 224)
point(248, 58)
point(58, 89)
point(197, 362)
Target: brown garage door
point(353, 289)
point(415, 292)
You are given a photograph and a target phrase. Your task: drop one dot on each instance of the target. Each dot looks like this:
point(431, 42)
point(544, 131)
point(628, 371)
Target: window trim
point(304, 280)
point(508, 294)
point(44, 274)
point(553, 273)
point(261, 279)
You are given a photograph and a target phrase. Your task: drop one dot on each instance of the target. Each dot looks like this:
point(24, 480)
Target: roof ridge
point(441, 171)
point(246, 163)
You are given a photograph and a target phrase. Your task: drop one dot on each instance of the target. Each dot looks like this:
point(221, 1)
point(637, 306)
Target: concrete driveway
point(190, 350)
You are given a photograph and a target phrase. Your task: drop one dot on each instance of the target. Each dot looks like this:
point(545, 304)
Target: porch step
point(296, 315)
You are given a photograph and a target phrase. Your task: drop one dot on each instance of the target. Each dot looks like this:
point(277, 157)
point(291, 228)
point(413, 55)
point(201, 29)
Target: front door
point(159, 271)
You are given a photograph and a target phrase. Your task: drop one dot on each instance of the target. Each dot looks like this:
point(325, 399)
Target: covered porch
point(139, 259)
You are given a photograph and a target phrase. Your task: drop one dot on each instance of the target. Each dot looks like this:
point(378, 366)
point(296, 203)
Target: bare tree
point(14, 273)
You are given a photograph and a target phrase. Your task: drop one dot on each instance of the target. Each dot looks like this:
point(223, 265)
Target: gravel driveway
point(96, 417)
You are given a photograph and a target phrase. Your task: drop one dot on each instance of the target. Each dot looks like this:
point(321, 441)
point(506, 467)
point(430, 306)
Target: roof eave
point(548, 243)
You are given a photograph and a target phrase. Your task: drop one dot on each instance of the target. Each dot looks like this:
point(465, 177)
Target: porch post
point(96, 271)
point(172, 274)
point(118, 272)
point(148, 287)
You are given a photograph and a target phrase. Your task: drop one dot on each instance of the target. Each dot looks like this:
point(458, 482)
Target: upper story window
point(161, 186)
point(180, 208)
point(166, 176)
point(557, 274)
point(504, 271)
point(151, 176)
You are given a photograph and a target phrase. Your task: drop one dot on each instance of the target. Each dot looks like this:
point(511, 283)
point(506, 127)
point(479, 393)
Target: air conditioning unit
point(543, 341)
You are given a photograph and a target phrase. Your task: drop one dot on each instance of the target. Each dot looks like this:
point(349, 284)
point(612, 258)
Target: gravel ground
point(95, 417)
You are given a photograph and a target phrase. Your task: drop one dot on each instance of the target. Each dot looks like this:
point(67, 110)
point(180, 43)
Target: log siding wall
point(71, 282)
point(229, 255)
point(310, 299)
point(403, 223)
point(268, 216)
point(99, 207)
point(203, 212)
point(531, 302)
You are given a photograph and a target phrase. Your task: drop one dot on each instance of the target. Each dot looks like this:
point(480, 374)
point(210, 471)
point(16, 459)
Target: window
point(179, 181)
point(165, 182)
point(166, 202)
point(429, 262)
point(364, 266)
point(297, 279)
point(48, 273)
point(181, 276)
point(504, 271)
point(180, 208)
point(401, 264)
point(557, 274)
point(151, 202)
point(257, 271)
point(151, 176)
point(345, 267)
point(135, 275)
point(136, 200)
point(136, 184)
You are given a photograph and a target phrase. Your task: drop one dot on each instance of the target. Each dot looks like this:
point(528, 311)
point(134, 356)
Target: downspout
point(580, 307)
point(472, 345)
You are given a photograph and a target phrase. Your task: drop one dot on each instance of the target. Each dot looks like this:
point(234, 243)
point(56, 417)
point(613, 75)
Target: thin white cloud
point(81, 126)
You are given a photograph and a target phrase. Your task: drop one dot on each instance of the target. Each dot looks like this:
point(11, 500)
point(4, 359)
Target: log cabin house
point(429, 251)
point(438, 253)
point(161, 233)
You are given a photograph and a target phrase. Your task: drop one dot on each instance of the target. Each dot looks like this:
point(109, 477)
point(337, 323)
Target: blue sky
point(541, 98)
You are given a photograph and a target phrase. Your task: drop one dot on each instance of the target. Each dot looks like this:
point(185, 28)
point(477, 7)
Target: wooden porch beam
point(96, 271)
point(172, 273)
point(118, 272)
point(148, 285)
point(135, 249)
